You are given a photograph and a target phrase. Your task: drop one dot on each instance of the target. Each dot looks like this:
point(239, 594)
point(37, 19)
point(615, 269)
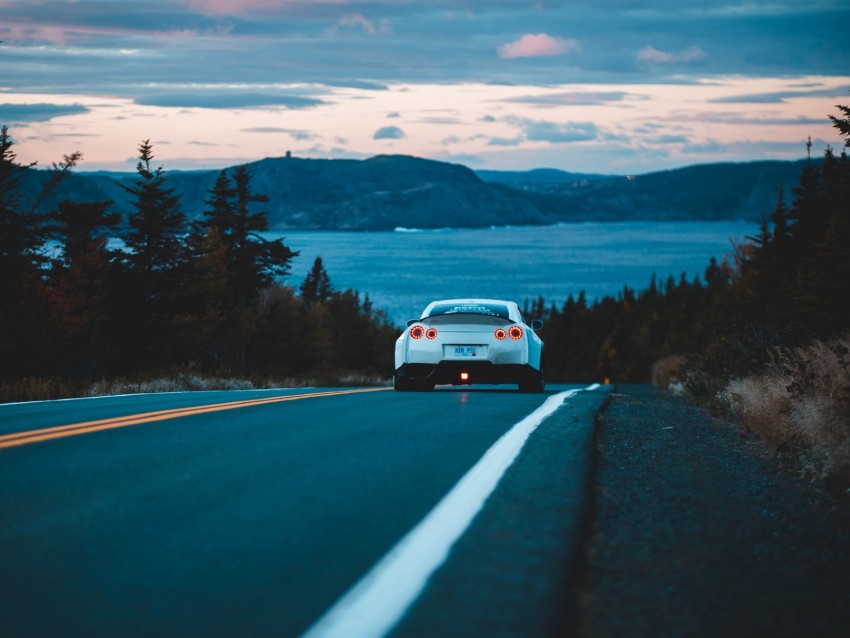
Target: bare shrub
point(35, 389)
point(667, 372)
point(762, 403)
point(800, 406)
point(183, 382)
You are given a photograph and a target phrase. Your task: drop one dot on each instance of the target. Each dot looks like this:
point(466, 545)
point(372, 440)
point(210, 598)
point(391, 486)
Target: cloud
point(227, 100)
point(504, 141)
point(742, 119)
point(19, 113)
point(777, 97)
point(389, 133)
point(556, 132)
point(573, 98)
point(356, 21)
point(652, 55)
point(232, 8)
point(50, 34)
point(669, 139)
point(539, 45)
point(276, 130)
point(350, 83)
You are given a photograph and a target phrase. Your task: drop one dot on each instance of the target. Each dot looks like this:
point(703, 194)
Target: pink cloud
point(231, 7)
point(537, 45)
point(53, 35)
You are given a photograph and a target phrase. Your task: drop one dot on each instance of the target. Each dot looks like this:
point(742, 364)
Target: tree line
point(204, 295)
point(785, 287)
point(209, 295)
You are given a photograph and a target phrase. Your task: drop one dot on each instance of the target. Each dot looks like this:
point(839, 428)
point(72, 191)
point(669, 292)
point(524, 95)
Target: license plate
point(464, 352)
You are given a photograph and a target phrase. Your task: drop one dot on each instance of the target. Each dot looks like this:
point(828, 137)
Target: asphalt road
point(258, 520)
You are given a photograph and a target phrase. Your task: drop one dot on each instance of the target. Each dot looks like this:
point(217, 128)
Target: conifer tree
point(82, 281)
point(156, 268)
point(157, 223)
point(316, 287)
point(24, 294)
point(21, 238)
point(256, 261)
point(842, 123)
point(231, 250)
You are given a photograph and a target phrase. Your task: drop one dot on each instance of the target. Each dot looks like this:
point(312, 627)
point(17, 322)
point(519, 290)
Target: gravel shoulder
point(695, 532)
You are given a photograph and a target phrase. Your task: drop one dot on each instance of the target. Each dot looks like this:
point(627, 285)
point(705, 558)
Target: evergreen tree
point(22, 234)
point(82, 283)
point(24, 294)
point(256, 261)
point(842, 124)
point(21, 238)
point(242, 262)
point(316, 287)
point(156, 269)
point(157, 223)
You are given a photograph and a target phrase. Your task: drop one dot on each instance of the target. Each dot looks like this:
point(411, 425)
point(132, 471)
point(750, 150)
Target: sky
point(603, 86)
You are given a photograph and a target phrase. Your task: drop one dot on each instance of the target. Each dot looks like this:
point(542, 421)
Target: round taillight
point(417, 331)
point(515, 333)
point(500, 333)
point(431, 333)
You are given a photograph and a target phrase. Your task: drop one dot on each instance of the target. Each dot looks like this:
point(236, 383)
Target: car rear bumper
point(449, 372)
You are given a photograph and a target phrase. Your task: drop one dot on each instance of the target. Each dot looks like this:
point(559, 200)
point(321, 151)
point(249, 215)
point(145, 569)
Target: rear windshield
point(490, 310)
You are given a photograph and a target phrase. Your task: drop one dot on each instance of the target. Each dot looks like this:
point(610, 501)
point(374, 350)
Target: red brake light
point(417, 331)
point(515, 333)
point(431, 333)
point(500, 333)
point(464, 376)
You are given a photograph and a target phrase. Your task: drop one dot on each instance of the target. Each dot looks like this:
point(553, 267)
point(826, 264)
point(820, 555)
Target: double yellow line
point(46, 434)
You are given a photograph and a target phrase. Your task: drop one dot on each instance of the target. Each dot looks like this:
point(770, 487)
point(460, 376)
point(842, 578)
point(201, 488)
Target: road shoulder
point(695, 532)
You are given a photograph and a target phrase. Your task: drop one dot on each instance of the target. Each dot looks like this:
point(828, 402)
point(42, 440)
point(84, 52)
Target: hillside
point(390, 191)
point(708, 192)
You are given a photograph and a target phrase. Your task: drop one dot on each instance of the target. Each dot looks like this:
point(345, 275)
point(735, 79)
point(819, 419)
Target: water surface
point(403, 270)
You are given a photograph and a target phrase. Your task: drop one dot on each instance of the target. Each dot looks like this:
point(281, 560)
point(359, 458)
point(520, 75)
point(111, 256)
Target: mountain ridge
point(391, 191)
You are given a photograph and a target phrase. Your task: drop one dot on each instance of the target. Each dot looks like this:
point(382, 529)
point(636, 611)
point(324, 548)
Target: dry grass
point(45, 389)
point(667, 373)
point(37, 389)
point(800, 406)
point(185, 382)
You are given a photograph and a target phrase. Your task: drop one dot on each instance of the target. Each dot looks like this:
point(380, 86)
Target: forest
point(178, 300)
point(206, 302)
point(765, 334)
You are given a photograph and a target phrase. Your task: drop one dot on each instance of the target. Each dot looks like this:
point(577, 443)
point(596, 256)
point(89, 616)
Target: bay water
point(403, 270)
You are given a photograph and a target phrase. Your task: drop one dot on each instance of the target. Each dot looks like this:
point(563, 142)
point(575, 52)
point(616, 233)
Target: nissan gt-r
point(469, 341)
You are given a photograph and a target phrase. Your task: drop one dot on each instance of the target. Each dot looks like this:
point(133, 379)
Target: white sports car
point(464, 341)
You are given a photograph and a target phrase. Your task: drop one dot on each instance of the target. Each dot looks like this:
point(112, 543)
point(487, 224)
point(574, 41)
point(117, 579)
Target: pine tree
point(317, 286)
point(256, 261)
point(82, 281)
point(253, 261)
point(21, 239)
point(842, 124)
point(24, 294)
point(157, 223)
point(156, 269)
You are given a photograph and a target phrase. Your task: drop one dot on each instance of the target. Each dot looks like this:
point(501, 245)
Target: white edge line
point(375, 604)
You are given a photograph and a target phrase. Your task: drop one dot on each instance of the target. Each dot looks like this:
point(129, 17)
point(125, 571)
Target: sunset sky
point(604, 86)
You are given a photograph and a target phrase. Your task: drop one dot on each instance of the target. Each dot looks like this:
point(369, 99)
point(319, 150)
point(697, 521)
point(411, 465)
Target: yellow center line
point(62, 431)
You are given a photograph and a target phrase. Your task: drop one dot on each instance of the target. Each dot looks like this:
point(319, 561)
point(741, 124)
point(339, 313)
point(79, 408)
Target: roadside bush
point(37, 389)
point(667, 373)
point(800, 405)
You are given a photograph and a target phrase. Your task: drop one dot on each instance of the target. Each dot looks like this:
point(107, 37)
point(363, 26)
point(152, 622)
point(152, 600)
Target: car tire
point(408, 385)
point(533, 383)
